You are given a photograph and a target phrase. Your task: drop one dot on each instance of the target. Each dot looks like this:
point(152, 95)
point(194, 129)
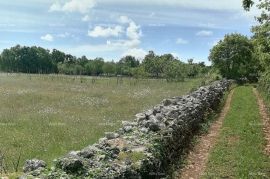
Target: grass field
point(45, 116)
point(239, 150)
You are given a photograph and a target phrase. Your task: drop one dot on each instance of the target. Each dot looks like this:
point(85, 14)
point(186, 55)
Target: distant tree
point(175, 71)
point(139, 72)
point(129, 61)
point(190, 61)
point(57, 56)
point(193, 70)
point(233, 56)
point(108, 68)
point(96, 66)
point(153, 64)
point(27, 60)
point(82, 61)
point(126, 64)
point(201, 64)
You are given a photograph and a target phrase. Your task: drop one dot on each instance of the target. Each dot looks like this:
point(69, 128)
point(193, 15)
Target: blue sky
point(114, 28)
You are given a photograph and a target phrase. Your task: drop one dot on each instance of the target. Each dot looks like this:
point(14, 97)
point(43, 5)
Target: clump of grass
point(239, 150)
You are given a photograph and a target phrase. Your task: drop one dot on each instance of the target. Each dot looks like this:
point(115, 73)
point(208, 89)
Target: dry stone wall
point(144, 148)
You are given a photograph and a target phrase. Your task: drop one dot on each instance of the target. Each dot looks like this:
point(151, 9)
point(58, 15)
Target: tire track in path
point(198, 156)
point(265, 120)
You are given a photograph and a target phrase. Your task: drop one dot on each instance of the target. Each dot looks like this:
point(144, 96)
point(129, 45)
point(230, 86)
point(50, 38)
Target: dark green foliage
point(247, 4)
point(234, 57)
point(40, 60)
point(27, 60)
point(261, 41)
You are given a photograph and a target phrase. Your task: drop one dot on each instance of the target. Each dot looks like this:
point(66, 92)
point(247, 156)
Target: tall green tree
point(261, 37)
point(233, 56)
point(57, 56)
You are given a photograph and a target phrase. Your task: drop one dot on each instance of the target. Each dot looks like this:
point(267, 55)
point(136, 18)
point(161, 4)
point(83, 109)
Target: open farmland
point(45, 116)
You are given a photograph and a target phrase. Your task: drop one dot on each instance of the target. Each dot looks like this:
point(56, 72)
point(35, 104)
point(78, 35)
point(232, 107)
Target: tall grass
point(45, 116)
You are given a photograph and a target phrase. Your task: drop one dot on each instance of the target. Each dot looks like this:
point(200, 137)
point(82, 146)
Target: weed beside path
point(239, 152)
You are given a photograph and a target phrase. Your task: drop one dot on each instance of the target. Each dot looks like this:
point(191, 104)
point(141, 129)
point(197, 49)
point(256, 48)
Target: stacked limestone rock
point(144, 148)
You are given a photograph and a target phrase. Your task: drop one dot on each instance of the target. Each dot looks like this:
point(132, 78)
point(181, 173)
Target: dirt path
point(265, 120)
point(198, 157)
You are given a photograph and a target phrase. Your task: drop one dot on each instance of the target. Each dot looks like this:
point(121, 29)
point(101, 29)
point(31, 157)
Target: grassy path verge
point(239, 152)
point(265, 120)
point(197, 158)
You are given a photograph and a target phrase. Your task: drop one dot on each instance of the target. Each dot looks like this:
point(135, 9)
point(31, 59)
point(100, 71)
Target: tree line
point(23, 59)
point(239, 57)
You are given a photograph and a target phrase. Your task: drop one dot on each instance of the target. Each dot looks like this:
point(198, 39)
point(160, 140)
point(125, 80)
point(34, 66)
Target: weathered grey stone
point(159, 116)
point(70, 164)
point(111, 135)
point(140, 116)
point(88, 152)
point(148, 112)
point(128, 128)
point(144, 130)
point(34, 164)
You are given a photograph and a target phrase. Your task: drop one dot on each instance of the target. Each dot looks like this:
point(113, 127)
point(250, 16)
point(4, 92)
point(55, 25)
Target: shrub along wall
point(144, 148)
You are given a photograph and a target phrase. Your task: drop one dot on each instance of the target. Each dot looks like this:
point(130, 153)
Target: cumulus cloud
point(133, 31)
point(81, 6)
point(128, 33)
point(181, 41)
point(135, 52)
point(47, 37)
point(100, 31)
point(204, 33)
point(133, 34)
point(124, 19)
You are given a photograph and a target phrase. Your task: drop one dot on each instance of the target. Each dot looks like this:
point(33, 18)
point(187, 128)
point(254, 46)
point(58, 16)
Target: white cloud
point(133, 34)
point(124, 20)
point(85, 18)
point(47, 37)
point(204, 33)
point(133, 31)
point(135, 52)
point(81, 6)
point(100, 31)
point(181, 41)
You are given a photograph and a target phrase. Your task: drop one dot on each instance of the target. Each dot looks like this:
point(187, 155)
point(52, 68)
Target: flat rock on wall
point(143, 148)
